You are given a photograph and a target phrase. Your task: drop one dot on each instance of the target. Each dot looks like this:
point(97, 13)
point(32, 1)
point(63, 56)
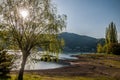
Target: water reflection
point(66, 56)
point(43, 65)
point(50, 65)
point(40, 64)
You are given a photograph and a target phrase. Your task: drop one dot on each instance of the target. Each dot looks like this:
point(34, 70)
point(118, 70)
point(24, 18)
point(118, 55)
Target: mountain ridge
point(79, 43)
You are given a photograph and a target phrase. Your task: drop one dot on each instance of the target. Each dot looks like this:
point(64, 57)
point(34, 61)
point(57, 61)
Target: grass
point(100, 55)
point(107, 59)
point(112, 63)
point(38, 77)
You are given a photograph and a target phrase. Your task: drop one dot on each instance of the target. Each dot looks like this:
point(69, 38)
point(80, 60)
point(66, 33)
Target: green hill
point(79, 43)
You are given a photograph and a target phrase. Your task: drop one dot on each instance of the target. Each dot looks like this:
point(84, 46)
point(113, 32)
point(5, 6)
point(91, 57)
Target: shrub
point(6, 62)
point(114, 48)
point(99, 48)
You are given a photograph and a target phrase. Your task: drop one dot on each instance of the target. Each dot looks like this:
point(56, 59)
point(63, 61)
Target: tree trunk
point(24, 59)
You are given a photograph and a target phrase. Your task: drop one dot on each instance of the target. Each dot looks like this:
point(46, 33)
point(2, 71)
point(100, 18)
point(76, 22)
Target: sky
point(89, 17)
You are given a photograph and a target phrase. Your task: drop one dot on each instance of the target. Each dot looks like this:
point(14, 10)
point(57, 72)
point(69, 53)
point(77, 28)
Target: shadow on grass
point(5, 77)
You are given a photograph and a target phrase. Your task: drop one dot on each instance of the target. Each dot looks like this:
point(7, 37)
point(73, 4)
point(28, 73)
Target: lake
point(44, 65)
point(50, 65)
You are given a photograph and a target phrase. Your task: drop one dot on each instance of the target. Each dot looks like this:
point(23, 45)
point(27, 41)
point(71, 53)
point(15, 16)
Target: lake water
point(44, 65)
point(50, 65)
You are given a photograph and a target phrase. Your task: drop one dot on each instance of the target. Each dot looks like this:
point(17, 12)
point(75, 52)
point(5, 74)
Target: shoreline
point(89, 65)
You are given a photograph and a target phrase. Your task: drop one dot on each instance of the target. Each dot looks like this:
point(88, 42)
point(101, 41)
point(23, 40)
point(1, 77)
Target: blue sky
point(89, 17)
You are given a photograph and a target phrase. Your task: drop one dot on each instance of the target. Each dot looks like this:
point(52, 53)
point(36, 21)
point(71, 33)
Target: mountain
point(79, 43)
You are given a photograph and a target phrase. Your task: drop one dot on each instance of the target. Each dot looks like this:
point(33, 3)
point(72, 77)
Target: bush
point(114, 48)
point(99, 48)
point(6, 62)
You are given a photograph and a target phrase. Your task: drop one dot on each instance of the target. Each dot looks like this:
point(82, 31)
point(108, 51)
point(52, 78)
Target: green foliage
point(48, 58)
point(39, 28)
point(111, 45)
point(99, 48)
point(114, 48)
point(5, 39)
point(44, 77)
point(6, 62)
point(111, 34)
point(105, 48)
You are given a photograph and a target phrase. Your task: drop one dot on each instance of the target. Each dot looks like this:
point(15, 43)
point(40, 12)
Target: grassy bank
point(109, 60)
point(38, 77)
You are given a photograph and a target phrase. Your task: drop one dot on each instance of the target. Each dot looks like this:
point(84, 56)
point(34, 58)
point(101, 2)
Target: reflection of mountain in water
point(79, 43)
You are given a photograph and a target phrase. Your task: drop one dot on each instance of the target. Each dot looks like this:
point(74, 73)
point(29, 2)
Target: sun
point(24, 13)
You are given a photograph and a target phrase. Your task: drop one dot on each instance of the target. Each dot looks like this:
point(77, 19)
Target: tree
point(111, 36)
point(114, 48)
point(6, 61)
point(99, 48)
point(32, 24)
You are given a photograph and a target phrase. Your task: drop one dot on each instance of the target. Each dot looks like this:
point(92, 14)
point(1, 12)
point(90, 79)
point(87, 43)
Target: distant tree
point(111, 37)
point(99, 48)
point(111, 34)
point(32, 24)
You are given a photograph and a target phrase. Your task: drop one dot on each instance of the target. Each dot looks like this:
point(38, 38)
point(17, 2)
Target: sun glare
point(24, 13)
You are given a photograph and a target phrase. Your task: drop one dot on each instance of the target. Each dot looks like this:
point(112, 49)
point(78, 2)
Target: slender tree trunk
point(21, 72)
